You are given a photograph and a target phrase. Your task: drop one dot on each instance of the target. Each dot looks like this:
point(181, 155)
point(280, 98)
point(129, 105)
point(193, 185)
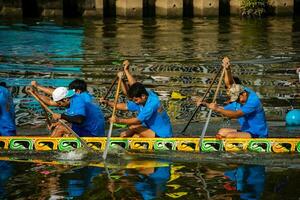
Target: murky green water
point(168, 56)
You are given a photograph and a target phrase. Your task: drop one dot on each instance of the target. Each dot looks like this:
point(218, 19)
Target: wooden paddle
point(111, 123)
point(210, 111)
point(84, 144)
point(111, 86)
point(48, 122)
point(204, 96)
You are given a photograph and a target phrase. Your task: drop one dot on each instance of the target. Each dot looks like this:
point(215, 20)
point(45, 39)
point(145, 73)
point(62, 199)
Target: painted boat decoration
point(210, 144)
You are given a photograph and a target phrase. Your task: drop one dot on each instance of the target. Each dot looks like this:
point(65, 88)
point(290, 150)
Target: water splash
point(76, 154)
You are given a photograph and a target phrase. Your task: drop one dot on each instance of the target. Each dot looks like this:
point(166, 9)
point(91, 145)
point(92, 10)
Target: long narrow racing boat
point(210, 144)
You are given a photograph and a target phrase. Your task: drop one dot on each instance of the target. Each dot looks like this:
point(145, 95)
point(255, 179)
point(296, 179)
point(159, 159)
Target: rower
point(152, 120)
point(7, 112)
point(82, 111)
point(244, 105)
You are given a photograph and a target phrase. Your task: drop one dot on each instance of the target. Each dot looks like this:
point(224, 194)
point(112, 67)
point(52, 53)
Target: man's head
point(62, 94)
point(238, 93)
point(3, 84)
point(78, 85)
point(138, 93)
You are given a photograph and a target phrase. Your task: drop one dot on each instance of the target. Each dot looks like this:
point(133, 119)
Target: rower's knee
point(123, 134)
point(133, 127)
point(226, 130)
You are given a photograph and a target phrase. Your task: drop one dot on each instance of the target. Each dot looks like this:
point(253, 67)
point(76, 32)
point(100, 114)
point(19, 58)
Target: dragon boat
point(209, 144)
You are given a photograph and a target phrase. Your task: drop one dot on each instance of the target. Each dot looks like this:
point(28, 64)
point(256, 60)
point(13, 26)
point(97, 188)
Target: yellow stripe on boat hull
point(275, 145)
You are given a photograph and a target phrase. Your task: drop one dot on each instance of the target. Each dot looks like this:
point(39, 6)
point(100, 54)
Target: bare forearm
point(228, 78)
point(130, 121)
point(120, 106)
point(229, 113)
point(124, 87)
point(130, 78)
point(47, 100)
point(46, 90)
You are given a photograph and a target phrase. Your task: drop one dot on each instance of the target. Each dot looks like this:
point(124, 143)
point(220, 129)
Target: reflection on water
point(5, 174)
point(248, 180)
point(167, 55)
point(146, 179)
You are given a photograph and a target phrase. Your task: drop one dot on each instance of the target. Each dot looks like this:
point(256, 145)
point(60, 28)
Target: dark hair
point(137, 90)
point(237, 80)
point(3, 84)
point(78, 84)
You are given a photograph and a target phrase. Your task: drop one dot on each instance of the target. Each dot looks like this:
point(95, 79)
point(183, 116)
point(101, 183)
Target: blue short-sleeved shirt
point(253, 121)
point(83, 104)
point(152, 115)
point(7, 113)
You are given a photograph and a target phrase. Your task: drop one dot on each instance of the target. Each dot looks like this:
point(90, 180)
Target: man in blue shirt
point(151, 120)
point(7, 112)
point(83, 112)
point(94, 123)
point(245, 106)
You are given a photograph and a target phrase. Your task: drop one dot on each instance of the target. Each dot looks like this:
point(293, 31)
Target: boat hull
point(210, 144)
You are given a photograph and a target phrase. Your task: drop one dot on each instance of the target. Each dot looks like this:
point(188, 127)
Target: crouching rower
point(7, 112)
point(82, 112)
point(151, 121)
point(245, 106)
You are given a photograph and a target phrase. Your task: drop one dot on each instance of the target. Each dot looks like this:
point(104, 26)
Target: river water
point(169, 56)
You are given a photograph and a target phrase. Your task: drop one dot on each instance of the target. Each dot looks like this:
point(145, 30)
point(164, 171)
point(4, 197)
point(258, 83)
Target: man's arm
point(48, 101)
point(120, 106)
point(130, 121)
point(124, 85)
point(129, 76)
point(45, 99)
point(46, 90)
point(227, 113)
point(228, 78)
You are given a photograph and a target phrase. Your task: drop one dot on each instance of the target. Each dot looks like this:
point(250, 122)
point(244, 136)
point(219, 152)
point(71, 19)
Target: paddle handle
point(84, 144)
point(204, 96)
point(111, 123)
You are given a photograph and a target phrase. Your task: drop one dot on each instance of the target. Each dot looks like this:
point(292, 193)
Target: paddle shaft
point(210, 111)
point(46, 116)
point(45, 111)
point(84, 144)
point(204, 96)
point(111, 123)
point(111, 86)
